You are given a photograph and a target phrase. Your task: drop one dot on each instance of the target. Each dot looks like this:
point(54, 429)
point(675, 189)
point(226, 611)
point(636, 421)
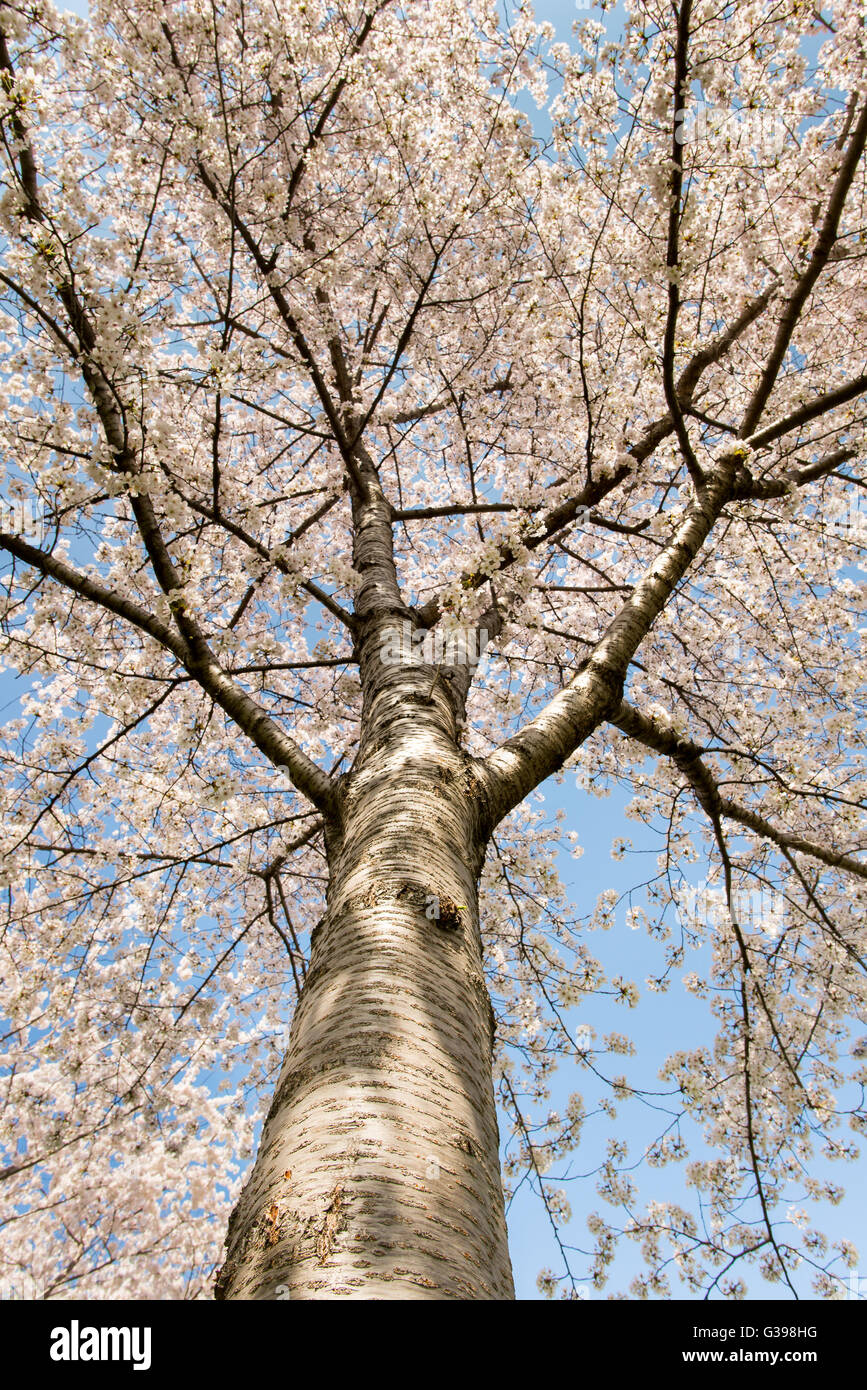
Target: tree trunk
point(378, 1172)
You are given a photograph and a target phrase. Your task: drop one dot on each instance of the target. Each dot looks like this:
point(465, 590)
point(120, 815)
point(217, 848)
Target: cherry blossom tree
point(369, 459)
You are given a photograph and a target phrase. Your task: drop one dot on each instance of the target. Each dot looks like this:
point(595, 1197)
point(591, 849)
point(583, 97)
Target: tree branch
point(278, 747)
point(688, 758)
point(681, 89)
point(520, 763)
point(820, 406)
point(818, 260)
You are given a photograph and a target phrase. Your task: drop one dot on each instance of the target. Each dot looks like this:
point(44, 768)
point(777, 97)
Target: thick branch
point(681, 88)
point(687, 757)
point(766, 491)
point(97, 593)
point(459, 509)
point(820, 406)
point(819, 259)
point(280, 750)
point(543, 745)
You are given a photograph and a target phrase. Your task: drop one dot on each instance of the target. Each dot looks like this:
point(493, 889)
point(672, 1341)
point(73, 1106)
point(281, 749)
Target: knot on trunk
point(437, 907)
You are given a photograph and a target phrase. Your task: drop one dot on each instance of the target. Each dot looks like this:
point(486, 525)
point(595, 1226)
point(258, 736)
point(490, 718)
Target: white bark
point(378, 1171)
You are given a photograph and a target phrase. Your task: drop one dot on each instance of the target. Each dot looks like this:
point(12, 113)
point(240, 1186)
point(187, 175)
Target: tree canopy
point(264, 260)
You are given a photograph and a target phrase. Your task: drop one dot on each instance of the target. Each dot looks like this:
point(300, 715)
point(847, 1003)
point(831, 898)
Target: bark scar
point(329, 1225)
point(272, 1226)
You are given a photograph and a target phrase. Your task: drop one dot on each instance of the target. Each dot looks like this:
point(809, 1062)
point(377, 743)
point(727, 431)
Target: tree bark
point(378, 1171)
